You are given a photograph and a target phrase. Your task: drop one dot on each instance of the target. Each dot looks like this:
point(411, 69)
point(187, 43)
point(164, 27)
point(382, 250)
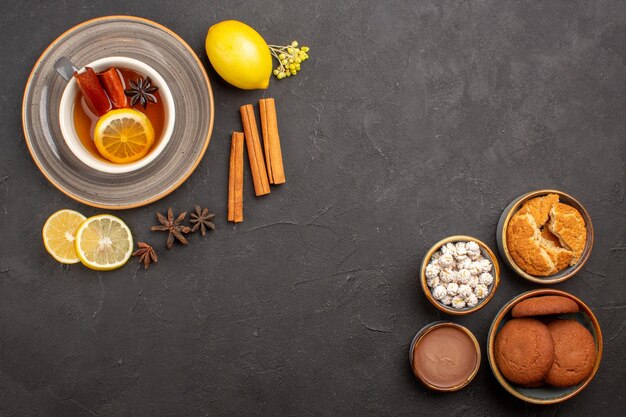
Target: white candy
point(436, 256)
point(448, 248)
point(458, 302)
point(447, 260)
point(465, 290)
point(461, 252)
point(463, 276)
point(434, 262)
point(473, 250)
point(446, 301)
point(485, 278)
point(472, 246)
point(471, 300)
point(432, 271)
point(481, 291)
point(485, 265)
point(447, 275)
point(439, 292)
point(473, 282)
point(464, 264)
point(452, 288)
point(460, 258)
point(432, 282)
point(474, 256)
point(475, 268)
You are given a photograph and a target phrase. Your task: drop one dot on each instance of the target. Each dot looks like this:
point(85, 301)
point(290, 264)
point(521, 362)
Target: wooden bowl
point(544, 394)
point(423, 332)
point(486, 252)
point(503, 224)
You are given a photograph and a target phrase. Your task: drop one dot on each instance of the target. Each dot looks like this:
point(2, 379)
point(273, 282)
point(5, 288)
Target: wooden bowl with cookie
point(459, 274)
point(544, 346)
point(545, 236)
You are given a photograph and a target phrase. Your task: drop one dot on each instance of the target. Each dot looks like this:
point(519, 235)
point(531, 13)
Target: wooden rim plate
point(183, 72)
point(544, 394)
point(514, 207)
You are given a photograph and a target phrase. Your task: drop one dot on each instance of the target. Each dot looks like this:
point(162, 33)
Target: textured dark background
point(411, 122)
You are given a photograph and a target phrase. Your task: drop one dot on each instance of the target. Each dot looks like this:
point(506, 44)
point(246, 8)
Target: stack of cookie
point(533, 349)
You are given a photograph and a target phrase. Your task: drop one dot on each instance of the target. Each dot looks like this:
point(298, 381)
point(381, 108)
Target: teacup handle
point(65, 68)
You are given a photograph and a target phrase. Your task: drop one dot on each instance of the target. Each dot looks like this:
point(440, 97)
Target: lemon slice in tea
point(103, 242)
point(124, 135)
point(59, 233)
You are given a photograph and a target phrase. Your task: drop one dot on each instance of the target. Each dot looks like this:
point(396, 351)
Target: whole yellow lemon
point(239, 55)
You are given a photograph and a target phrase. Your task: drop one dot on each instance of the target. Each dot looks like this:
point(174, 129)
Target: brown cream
point(445, 357)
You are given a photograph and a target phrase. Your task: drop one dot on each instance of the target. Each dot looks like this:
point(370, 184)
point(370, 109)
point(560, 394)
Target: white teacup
point(66, 116)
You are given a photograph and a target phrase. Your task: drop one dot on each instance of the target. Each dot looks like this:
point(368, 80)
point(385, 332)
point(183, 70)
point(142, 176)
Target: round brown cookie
point(574, 353)
point(524, 351)
point(544, 305)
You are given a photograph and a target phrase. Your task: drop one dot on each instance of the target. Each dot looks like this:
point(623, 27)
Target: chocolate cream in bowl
point(445, 358)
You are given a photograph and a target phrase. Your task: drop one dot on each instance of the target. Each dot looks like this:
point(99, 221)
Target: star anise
point(146, 254)
point(201, 219)
point(142, 91)
point(173, 226)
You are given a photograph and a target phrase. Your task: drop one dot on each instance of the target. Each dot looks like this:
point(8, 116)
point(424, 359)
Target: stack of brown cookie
point(532, 352)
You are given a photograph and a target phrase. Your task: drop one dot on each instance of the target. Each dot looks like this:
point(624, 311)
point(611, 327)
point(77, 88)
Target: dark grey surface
point(411, 122)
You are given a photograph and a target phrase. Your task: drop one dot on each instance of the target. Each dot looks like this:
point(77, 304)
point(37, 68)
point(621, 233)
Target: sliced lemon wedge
point(59, 234)
point(123, 135)
point(103, 242)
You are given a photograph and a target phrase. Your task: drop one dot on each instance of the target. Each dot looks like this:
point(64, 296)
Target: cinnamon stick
point(238, 180)
point(94, 94)
point(231, 179)
point(271, 141)
point(235, 179)
point(255, 154)
point(112, 84)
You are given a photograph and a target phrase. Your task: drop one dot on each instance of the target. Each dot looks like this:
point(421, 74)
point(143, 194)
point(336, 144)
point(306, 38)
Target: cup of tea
point(77, 122)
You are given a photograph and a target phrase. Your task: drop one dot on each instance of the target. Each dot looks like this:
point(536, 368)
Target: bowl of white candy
point(459, 274)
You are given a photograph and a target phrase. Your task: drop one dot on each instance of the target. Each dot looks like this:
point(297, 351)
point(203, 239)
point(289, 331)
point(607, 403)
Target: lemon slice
point(103, 242)
point(59, 234)
point(123, 135)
